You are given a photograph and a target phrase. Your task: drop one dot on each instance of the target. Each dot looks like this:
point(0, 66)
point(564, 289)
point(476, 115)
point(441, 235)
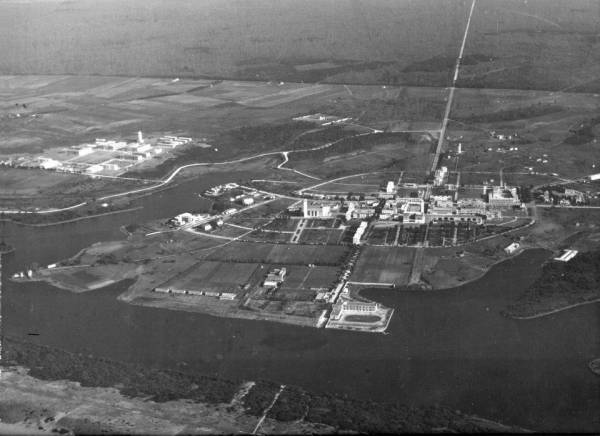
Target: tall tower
point(140, 138)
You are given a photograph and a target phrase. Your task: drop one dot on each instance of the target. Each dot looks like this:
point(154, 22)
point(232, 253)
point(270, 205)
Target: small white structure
point(49, 164)
point(440, 176)
point(84, 151)
point(595, 176)
point(567, 256)
point(512, 248)
point(188, 218)
point(140, 137)
point(247, 201)
point(227, 296)
point(359, 232)
point(142, 148)
point(389, 189)
point(93, 169)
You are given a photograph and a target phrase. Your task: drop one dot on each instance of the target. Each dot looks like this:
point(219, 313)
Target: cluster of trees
point(160, 385)
point(584, 133)
point(561, 283)
point(295, 403)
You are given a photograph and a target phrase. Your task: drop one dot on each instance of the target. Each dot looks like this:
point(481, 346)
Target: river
point(450, 347)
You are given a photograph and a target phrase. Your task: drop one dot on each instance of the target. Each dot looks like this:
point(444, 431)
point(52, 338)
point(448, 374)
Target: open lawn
point(533, 45)
point(214, 276)
point(530, 134)
point(384, 265)
point(280, 253)
point(382, 42)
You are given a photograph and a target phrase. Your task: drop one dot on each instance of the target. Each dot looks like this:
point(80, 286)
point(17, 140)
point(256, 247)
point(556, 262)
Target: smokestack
point(140, 138)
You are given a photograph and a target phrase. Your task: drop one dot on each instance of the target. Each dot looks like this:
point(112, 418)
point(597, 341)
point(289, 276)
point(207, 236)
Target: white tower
point(459, 148)
point(140, 138)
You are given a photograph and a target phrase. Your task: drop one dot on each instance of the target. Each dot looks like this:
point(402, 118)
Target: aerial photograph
point(299, 216)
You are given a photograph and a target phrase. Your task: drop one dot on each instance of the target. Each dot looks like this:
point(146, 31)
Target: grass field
point(215, 276)
point(278, 253)
point(534, 45)
point(343, 41)
point(544, 124)
point(384, 265)
point(303, 277)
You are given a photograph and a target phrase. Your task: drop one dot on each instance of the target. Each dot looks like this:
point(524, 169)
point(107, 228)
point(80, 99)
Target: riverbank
point(83, 394)
point(561, 286)
point(214, 307)
point(553, 311)
point(72, 220)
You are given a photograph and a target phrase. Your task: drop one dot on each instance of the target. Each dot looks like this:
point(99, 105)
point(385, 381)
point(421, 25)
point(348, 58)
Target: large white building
point(503, 196)
point(316, 209)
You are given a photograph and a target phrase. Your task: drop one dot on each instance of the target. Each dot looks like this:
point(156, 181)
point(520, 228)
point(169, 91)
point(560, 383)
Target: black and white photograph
point(299, 217)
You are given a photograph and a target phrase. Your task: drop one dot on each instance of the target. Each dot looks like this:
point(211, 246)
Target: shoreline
point(553, 311)
point(407, 288)
point(236, 314)
point(72, 220)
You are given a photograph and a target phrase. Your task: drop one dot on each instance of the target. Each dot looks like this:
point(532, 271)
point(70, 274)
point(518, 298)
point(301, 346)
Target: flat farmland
point(18, 182)
point(280, 253)
point(384, 265)
point(303, 277)
point(265, 236)
point(70, 110)
point(395, 156)
point(29, 188)
point(533, 45)
point(215, 276)
point(321, 236)
point(550, 132)
point(384, 42)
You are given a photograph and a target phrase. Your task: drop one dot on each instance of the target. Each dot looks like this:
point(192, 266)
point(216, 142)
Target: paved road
point(440, 143)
